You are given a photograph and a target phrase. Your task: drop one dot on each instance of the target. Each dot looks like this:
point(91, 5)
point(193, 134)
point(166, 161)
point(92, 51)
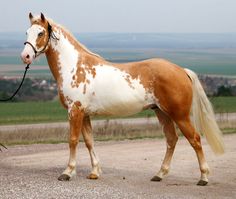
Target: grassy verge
point(105, 132)
point(40, 112)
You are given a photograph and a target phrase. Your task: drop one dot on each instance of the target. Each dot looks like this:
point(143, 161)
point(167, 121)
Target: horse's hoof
point(92, 176)
point(156, 178)
point(202, 183)
point(64, 177)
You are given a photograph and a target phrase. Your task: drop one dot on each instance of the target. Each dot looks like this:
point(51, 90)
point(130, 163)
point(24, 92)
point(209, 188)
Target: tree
point(224, 91)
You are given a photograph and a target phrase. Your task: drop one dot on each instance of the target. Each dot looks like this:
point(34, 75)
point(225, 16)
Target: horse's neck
point(65, 54)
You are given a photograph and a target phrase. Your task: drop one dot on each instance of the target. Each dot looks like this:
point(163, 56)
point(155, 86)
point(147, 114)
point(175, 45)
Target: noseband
point(50, 34)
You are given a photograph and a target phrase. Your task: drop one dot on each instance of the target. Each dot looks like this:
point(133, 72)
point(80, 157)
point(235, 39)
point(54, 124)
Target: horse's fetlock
point(165, 170)
point(205, 169)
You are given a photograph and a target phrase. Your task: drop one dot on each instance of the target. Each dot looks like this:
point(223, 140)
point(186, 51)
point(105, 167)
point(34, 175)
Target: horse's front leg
point(76, 116)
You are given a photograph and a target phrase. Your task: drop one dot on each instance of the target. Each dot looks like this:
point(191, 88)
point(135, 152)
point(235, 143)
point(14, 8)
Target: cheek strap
point(35, 51)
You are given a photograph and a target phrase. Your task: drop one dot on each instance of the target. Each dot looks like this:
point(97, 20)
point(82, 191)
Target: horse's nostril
point(27, 56)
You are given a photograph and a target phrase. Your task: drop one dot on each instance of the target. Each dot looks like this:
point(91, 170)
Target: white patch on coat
point(68, 58)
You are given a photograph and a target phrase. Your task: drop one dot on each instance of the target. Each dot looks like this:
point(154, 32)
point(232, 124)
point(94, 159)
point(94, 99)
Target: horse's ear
point(30, 16)
point(42, 17)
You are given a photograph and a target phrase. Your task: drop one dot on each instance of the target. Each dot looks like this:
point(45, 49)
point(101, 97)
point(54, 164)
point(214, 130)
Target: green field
point(38, 112)
point(31, 112)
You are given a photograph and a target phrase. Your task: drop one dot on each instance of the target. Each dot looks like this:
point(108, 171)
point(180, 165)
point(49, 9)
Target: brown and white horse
point(89, 85)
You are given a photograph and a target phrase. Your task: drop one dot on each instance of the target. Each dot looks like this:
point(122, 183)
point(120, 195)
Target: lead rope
point(2, 146)
point(10, 98)
point(17, 90)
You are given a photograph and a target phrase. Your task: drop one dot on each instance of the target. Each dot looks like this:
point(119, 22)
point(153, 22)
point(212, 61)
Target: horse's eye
point(40, 34)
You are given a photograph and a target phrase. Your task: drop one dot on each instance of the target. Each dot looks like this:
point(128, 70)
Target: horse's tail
point(203, 115)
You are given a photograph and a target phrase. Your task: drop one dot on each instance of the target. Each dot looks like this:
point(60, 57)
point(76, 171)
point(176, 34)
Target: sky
point(156, 16)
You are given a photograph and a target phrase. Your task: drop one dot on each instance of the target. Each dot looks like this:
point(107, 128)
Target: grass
point(105, 132)
point(45, 112)
point(224, 104)
point(102, 132)
point(31, 112)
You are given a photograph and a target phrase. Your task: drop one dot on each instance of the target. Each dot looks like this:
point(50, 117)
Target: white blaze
point(32, 33)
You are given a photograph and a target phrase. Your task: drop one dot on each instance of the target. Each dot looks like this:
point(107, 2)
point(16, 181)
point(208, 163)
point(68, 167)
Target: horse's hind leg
point(194, 139)
point(88, 139)
point(171, 139)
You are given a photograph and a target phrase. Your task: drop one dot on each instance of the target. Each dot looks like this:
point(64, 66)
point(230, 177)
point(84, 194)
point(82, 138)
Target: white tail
point(204, 117)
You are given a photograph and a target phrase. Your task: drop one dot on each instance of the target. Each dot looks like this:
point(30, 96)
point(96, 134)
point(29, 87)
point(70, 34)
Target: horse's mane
point(36, 18)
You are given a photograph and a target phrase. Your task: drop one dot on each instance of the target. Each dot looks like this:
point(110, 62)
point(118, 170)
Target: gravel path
point(31, 171)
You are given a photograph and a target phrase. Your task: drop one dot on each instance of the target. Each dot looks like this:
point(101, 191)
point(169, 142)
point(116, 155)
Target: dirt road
point(32, 171)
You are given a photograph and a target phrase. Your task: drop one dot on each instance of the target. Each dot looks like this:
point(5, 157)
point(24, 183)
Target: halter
point(50, 34)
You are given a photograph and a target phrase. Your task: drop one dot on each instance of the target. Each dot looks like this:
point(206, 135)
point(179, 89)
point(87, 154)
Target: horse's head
point(38, 38)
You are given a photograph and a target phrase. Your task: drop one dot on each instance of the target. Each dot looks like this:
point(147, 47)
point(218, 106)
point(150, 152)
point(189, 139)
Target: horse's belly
point(118, 106)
